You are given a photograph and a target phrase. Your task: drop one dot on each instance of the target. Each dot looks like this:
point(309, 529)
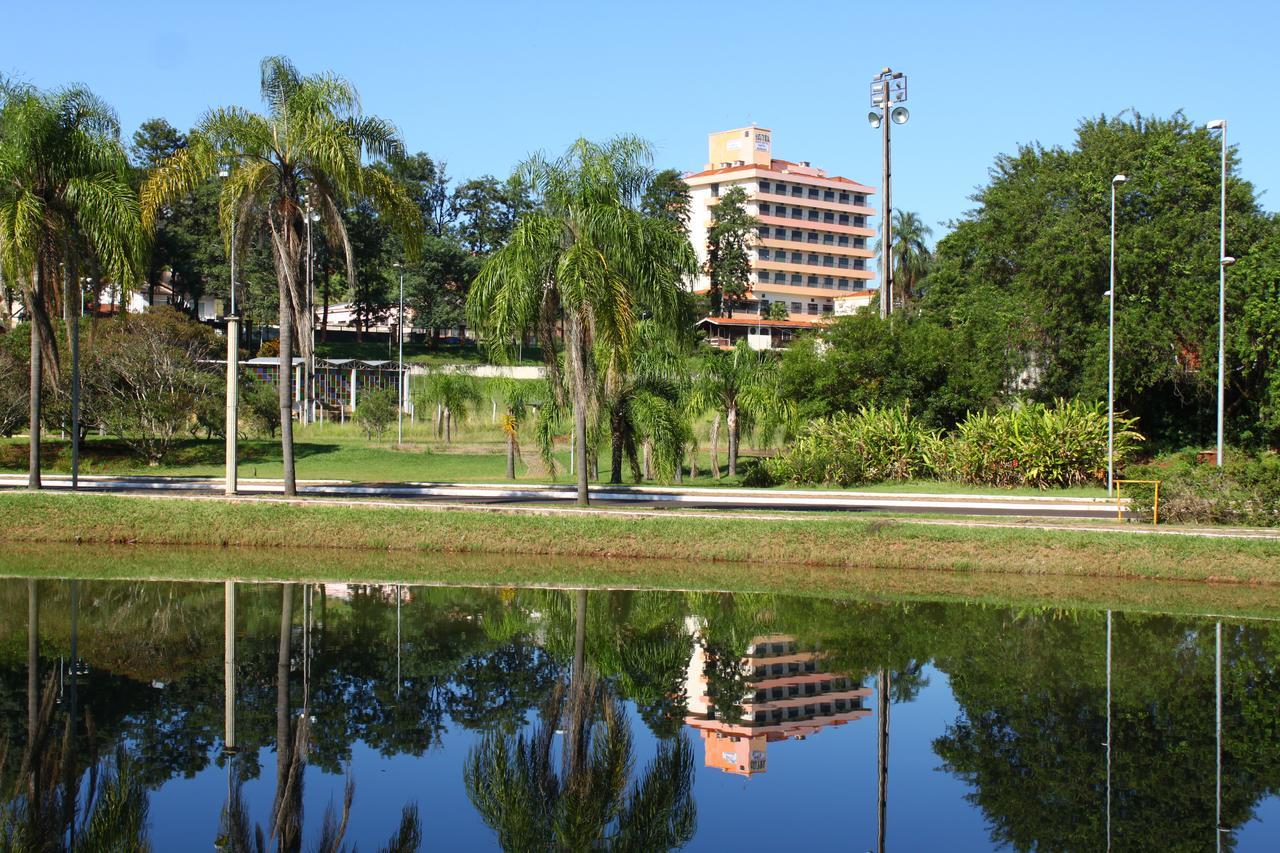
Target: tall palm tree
point(313, 151)
point(911, 255)
point(741, 384)
point(581, 265)
point(64, 195)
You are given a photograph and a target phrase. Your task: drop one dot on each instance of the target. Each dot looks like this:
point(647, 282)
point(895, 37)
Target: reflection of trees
point(586, 800)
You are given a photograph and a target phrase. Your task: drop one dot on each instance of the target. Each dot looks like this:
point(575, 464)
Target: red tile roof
point(759, 321)
point(779, 167)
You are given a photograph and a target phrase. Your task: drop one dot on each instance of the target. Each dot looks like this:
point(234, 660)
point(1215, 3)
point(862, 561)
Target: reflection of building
point(785, 696)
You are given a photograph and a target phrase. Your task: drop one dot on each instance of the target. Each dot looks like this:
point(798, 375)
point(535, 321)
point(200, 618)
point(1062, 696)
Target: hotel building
point(788, 696)
point(813, 243)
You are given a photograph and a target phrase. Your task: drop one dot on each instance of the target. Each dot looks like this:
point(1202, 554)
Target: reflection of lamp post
point(1108, 729)
point(882, 757)
point(887, 88)
point(1217, 695)
point(229, 666)
point(1111, 343)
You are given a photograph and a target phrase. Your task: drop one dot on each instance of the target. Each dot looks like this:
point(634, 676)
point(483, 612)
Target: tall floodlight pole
point(75, 383)
point(887, 88)
point(310, 392)
point(400, 361)
point(1223, 263)
point(233, 362)
point(1111, 343)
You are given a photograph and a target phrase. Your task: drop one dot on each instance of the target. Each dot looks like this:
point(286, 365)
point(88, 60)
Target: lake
point(484, 718)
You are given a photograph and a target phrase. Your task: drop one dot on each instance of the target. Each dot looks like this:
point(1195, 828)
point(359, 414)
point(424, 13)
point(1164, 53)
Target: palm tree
point(742, 385)
point(911, 255)
point(455, 397)
point(643, 402)
point(64, 194)
point(313, 152)
point(518, 398)
point(580, 265)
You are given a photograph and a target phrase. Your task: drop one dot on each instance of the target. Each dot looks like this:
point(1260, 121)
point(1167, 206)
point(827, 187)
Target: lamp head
point(1217, 124)
point(1119, 179)
point(899, 115)
point(874, 119)
point(1227, 260)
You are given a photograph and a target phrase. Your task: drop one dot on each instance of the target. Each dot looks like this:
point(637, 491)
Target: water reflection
point(546, 719)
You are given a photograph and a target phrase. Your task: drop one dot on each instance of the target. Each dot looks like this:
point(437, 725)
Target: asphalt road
point(636, 497)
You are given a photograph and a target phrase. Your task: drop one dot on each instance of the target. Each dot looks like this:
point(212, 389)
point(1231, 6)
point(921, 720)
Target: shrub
point(269, 349)
point(14, 388)
point(144, 377)
point(873, 445)
point(260, 406)
point(375, 411)
point(1245, 490)
point(1037, 445)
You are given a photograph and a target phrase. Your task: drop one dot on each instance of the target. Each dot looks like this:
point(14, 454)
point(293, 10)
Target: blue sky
point(481, 84)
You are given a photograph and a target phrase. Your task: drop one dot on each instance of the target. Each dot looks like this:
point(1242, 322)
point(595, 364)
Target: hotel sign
point(762, 141)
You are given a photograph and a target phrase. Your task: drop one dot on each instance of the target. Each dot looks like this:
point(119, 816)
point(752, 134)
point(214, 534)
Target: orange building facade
point(813, 243)
point(787, 696)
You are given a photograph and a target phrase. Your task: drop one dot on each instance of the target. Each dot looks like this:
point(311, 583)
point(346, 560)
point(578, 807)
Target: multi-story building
point(813, 242)
point(786, 695)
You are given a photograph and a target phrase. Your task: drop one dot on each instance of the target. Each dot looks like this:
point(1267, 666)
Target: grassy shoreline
point(799, 551)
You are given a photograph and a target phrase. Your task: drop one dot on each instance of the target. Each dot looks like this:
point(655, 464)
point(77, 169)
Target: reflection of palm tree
point(514, 783)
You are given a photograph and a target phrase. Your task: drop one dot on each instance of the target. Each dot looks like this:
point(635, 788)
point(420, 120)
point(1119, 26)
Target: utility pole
point(233, 364)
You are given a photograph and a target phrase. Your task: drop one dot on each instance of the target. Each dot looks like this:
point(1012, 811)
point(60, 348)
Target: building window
point(844, 219)
point(763, 277)
point(797, 213)
point(860, 221)
point(828, 217)
point(813, 237)
point(828, 308)
point(763, 231)
point(813, 259)
point(829, 195)
point(843, 240)
point(860, 200)
point(813, 309)
point(813, 281)
point(827, 261)
point(762, 254)
point(795, 308)
point(860, 242)
point(764, 210)
point(843, 263)
point(828, 239)
point(764, 186)
point(796, 278)
point(813, 193)
point(796, 235)
point(795, 258)
point(844, 198)
point(860, 263)
point(797, 192)
point(813, 216)
point(779, 277)
point(780, 188)
point(715, 190)
point(827, 281)
point(844, 284)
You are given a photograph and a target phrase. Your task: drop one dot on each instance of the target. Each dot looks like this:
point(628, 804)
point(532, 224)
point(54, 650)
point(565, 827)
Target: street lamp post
point(887, 88)
point(1223, 263)
point(1111, 343)
point(75, 384)
point(233, 363)
point(400, 361)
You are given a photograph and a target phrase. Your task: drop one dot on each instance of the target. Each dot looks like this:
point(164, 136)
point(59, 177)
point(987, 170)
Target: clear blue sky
point(481, 84)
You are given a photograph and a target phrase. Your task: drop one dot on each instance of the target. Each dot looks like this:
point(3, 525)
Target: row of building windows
point(798, 236)
point(816, 709)
point(765, 649)
point(795, 279)
point(798, 191)
point(813, 259)
point(810, 215)
point(798, 308)
point(811, 689)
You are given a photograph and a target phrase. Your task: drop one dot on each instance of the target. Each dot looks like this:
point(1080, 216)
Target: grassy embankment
point(808, 553)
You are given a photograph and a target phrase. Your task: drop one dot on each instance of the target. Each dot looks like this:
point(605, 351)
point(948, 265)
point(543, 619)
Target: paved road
point(649, 497)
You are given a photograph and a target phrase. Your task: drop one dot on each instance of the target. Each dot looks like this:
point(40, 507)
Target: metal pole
point(400, 335)
point(886, 225)
point(233, 377)
point(310, 366)
point(1222, 292)
point(1111, 350)
point(398, 596)
point(882, 759)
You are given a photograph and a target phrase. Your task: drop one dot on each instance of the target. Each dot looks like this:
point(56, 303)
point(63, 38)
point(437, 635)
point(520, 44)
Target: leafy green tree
point(667, 198)
point(778, 311)
point(65, 198)
point(518, 399)
point(485, 210)
point(313, 142)
point(376, 411)
point(581, 263)
point(1039, 238)
point(644, 403)
point(728, 261)
point(455, 397)
point(911, 255)
point(436, 286)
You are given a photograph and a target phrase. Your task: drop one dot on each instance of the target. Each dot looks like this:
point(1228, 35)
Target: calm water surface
point(526, 719)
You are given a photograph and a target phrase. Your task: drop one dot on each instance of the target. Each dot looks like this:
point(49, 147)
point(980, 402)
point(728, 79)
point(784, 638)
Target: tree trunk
point(680, 466)
point(648, 459)
point(715, 447)
point(511, 456)
point(33, 457)
point(576, 355)
point(448, 425)
point(732, 423)
point(615, 446)
point(439, 420)
point(286, 390)
point(693, 462)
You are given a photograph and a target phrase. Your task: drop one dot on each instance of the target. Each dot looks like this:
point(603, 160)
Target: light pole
point(887, 88)
point(1223, 263)
point(233, 361)
point(1111, 343)
point(309, 406)
point(400, 360)
point(75, 383)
